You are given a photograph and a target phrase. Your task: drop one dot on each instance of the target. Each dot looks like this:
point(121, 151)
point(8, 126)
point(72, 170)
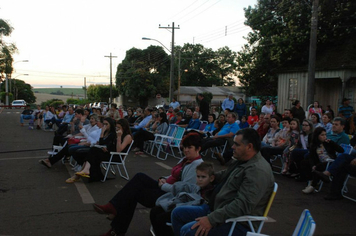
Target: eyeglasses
point(106, 123)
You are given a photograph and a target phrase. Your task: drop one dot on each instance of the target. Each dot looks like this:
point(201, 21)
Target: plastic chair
point(306, 225)
point(345, 189)
point(249, 219)
point(109, 165)
point(167, 144)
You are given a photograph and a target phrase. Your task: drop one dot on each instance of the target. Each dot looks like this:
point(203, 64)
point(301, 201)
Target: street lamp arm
point(144, 38)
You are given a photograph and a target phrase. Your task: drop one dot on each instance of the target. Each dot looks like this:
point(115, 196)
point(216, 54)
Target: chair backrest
point(171, 129)
point(270, 201)
point(128, 150)
point(178, 136)
point(306, 225)
point(202, 126)
point(347, 148)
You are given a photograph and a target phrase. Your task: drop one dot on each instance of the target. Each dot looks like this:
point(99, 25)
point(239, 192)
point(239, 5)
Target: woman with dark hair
point(159, 126)
point(130, 116)
point(123, 135)
point(315, 118)
point(107, 143)
point(145, 190)
point(321, 150)
point(240, 108)
point(298, 111)
point(315, 109)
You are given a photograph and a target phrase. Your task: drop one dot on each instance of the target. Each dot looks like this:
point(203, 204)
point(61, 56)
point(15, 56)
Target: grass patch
point(65, 91)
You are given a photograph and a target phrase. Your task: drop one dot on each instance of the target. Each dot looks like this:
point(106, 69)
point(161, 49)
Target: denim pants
point(183, 218)
point(26, 117)
point(339, 162)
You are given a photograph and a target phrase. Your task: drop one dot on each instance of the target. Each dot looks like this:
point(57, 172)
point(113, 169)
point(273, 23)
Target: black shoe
point(322, 176)
point(332, 197)
point(220, 158)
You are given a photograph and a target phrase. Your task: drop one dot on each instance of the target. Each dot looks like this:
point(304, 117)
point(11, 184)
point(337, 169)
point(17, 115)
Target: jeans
point(183, 218)
point(339, 162)
point(26, 117)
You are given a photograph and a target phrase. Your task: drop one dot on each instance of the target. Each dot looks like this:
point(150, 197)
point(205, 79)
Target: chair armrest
point(119, 153)
point(57, 147)
point(246, 218)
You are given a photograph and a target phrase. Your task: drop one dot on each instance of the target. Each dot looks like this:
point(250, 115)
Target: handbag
point(73, 141)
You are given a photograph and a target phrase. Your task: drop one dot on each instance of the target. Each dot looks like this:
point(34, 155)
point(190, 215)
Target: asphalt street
point(35, 200)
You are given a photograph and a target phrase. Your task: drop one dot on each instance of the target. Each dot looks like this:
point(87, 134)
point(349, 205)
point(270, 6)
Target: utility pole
point(111, 57)
point(171, 80)
point(85, 88)
point(312, 52)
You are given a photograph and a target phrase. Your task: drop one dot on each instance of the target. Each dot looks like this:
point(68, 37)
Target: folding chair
point(277, 157)
point(167, 144)
point(218, 149)
point(109, 165)
point(249, 219)
point(306, 225)
point(151, 144)
point(347, 150)
point(345, 189)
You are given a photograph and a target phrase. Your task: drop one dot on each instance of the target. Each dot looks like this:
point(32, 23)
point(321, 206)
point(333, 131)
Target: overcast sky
point(67, 40)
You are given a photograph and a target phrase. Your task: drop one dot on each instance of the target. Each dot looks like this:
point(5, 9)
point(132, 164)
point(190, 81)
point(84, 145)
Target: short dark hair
point(250, 135)
point(192, 139)
point(113, 105)
point(342, 121)
point(207, 167)
point(79, 111)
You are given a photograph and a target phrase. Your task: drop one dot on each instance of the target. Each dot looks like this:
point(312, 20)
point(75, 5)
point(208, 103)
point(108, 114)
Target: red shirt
point(177, 170)
point(251, 120)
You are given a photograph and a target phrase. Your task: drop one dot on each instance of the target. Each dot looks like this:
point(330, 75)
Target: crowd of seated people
point(304, 147)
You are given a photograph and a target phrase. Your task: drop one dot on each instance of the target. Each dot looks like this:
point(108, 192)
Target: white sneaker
point(308, 189)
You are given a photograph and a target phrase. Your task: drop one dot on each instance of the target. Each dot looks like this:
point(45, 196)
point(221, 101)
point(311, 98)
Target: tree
point(280, 38)
point(101, 93)
point(144, 73)
point(7, 49)
point(23, 91)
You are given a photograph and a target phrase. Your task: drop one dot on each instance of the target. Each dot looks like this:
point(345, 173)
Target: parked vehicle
point(18, 103)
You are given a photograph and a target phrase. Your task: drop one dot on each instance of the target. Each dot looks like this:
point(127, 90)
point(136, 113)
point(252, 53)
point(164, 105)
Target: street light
point(171, 80)
point(13, 81)
point(10, 81)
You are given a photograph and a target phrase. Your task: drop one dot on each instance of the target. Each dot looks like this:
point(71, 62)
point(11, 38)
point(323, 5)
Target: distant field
point(44, 94)
point(65, 91)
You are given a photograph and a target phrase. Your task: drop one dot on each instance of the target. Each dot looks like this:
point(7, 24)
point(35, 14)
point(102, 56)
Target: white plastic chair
point(109, 165)
point(306, 225)
point(345, 189)
point(250, 219)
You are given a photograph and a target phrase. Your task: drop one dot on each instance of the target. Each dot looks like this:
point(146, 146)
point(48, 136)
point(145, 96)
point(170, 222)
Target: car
point(18, 103)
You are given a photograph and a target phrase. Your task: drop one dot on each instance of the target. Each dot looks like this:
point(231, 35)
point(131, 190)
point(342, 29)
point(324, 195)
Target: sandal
point(138, 153)
point(72, 180)
point(45, 163)
point(82, 174)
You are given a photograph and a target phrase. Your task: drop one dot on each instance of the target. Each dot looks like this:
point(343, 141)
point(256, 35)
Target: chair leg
point(106, 172)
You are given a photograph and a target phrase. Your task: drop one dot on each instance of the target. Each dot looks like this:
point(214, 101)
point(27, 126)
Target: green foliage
point(202, 66)
point(7, 49)
point(53, 102)
point(77, 101)
point(143, 73)
point(58, 93)
point(280, 38)
point(101, 93)
point(207, 97)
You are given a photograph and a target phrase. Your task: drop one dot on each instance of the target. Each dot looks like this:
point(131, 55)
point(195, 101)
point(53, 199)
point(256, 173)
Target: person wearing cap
point(228, 103)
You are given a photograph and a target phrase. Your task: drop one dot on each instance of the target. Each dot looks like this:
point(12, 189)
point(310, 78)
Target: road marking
point(164, 165)
point(21, 158)
point(82, 189)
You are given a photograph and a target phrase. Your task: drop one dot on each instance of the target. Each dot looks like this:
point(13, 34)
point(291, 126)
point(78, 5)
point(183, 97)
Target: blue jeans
point(26, 117)
point(339, 162)
point(183, 218)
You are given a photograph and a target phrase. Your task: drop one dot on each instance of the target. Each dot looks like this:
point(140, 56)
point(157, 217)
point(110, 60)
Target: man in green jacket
point(244, 188)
